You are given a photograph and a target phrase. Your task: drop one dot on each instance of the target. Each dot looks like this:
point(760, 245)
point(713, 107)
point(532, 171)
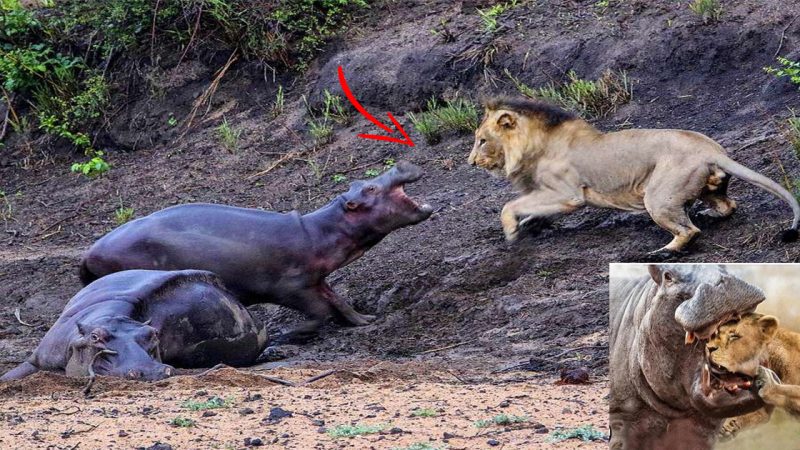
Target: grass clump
point(457, 115)
point(501, 419)
point(339, 178)
point(182, 422)
point(228, 136)
point(489, 15)
point(589, 98)
point(787, 68)
point(280, 103)
point(321, 121)
point(794, 133)
point(123, 214)
point(212, 403)
point(584, 432)
point(708, 10)
point(340, 431)
point(421, 446)
point(424, 412)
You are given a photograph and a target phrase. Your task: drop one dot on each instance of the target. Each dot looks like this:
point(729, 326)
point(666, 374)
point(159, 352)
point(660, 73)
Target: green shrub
point(123, 215)
point(457, 115)
point(340, 431)
point(212, 403)
point(584, 433)
point(489, 16)
point(182, 422)
point(94, 167)
point(424, 412)
point(708, 10)
point(788, 68)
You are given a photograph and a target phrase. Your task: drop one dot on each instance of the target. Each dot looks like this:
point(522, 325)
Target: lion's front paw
point(766, 380)
point(510, 225)
point(729, 429)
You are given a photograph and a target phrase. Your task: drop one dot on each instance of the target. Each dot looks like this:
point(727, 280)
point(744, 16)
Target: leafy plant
point(584, 433)
point(788, 68)
point(708, 10)
point(501, 419)
point(341, 431)
point(228, 137)
point(489, 16)
point(94, 167)
point(172, 121)
point(182, 422)
point(372, 172)
point(457, 115)
point(339, 178)
point(212, 403)
point(424, 412)
point(320, 131)
point(388, 163)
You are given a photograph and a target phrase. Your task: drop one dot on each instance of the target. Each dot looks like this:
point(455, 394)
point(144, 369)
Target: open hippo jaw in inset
point(382, 205)
point(119, 347)
point(718, 299)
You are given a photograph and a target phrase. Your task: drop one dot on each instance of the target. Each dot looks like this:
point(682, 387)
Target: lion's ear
point(507, 121)
point(768, 325)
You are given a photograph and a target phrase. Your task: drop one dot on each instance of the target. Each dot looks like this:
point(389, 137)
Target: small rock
point(122, 433)
point(277, 414)
point(158, 446)
point(322, 430)
point(493, 442)
point(318, 423)
point(504, 404)
point(447, 436)
point(566, 411)
point(253, 442)
point(574, 376)
point(253, 398)
point(246, 411)
point(200, 394)
point(396, 430)
point(543, 430)
point(209, 414)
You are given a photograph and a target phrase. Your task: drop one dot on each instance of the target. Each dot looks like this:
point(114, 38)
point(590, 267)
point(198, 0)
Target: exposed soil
point(538, 305)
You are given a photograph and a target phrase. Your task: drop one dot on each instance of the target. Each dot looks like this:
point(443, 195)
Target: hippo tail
point(86, 275)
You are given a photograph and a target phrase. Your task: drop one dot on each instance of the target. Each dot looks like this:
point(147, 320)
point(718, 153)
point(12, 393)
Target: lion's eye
point(483, 141)
point(733, 337)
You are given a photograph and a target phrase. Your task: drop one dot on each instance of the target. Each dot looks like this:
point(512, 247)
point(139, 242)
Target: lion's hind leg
point(666, 198)
point(715, 196)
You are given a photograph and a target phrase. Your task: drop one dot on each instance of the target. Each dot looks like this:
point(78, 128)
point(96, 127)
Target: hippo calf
point(132, 324)
point(268, 257)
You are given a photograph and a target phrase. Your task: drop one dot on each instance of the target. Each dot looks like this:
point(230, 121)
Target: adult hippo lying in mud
point(267, 257)
point(132, 324)
point(662, 395)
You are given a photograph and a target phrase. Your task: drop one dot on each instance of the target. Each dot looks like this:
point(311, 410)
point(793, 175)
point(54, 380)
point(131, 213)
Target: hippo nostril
point(168, 371)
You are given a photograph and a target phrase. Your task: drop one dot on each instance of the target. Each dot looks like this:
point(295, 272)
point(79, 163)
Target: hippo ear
point(768, 325)
point(83, 329)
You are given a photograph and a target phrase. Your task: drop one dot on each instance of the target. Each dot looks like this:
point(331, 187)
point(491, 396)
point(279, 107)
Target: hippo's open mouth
point(715, 377)
point(399, 194)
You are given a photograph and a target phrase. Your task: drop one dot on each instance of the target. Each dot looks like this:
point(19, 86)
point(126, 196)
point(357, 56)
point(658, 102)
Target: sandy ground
point(49, 411)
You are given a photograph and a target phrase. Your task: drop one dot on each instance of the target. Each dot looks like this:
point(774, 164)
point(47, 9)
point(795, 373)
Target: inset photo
point(704, 356)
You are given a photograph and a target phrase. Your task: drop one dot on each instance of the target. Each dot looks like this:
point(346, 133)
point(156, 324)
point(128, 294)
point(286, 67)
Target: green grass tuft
point(457, 115)
point(424, 412)
point(708, 10)
point(123, 215)
point(228, 136)
point(212, 403)
point(341, 431)
point(421, 446)
point(501, 419)
point(182, 422)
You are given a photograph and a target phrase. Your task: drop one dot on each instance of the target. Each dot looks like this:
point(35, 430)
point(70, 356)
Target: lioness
point(755, 349)
point(562, 163)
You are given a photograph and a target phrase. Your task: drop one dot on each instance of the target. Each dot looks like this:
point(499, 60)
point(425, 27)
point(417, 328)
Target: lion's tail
point(732, 167)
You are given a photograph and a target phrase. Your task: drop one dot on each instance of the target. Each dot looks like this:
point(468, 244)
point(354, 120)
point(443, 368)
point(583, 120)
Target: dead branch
point(318, 377)
point(783, 36)
point(19, 319)
point(88, 388)
point(210, 91)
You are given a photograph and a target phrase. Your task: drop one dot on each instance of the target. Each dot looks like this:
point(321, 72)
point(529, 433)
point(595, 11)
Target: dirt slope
point(451, 280)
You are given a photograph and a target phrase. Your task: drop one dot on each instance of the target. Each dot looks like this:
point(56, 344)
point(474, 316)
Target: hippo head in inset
point(381, 204)
point(119, 347)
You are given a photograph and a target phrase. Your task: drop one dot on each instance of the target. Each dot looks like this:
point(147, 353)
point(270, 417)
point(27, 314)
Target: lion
point(754, 349)
point(563, 163)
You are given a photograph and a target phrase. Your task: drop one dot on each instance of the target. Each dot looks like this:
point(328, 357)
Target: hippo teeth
point(690, 338)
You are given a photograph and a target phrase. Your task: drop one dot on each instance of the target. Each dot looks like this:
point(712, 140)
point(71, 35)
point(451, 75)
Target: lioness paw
point(729, 429)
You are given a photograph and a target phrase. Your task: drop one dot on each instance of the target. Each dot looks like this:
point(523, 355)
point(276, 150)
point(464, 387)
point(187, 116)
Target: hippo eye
point(371, 189)
point(94, 337)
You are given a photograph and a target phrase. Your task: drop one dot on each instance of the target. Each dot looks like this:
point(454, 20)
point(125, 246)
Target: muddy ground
point(449, 292)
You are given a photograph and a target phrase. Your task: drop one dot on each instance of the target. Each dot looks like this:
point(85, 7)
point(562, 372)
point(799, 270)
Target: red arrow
point(349, 94)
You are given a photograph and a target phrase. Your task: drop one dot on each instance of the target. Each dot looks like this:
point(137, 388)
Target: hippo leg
point(21, 371)
point(342, 307)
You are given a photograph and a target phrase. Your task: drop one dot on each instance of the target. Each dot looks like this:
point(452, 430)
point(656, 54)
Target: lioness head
point(739, 347)
point(511, 130)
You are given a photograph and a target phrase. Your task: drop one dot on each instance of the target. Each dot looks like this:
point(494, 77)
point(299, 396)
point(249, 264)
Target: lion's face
point(495, 138)
point(740, 346)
